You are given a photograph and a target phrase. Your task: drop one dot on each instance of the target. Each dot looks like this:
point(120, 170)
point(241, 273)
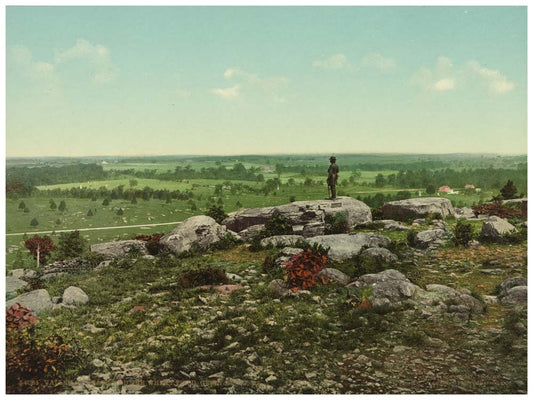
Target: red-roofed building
point(445, 189)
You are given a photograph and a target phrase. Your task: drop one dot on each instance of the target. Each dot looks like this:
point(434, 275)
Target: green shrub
point(217, 213)
point(463, 233)
point(277, 225)
point(336, 224)
point(204, 276)
point(411, 238)
point(70, 245)
point(229, 241)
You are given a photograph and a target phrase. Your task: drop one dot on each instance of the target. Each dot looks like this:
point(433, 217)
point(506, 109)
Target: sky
point(143, 80)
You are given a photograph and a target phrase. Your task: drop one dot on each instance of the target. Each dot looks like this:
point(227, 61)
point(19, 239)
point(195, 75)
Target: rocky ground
point(439, 322)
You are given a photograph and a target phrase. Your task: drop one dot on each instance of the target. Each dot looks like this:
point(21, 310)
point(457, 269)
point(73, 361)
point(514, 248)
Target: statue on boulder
point(333, 173)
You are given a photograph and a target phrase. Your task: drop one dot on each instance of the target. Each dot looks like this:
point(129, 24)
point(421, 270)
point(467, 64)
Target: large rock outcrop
point(199, 231)
point(306, 217)
point(344, 246)
point(495, 227)
point(120, 248)
point(419, 207)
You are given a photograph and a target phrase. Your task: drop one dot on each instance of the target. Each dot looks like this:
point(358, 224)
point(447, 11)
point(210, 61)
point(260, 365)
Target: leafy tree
point(509, 190)
point(40, 247)
point(53, 204)
point(133, 182)
point(34, 222)
point(217, 213)
point(463, 233)
point(58, 221)
point(70, 245)
point(380, 180)
point(22, 205)
point(62, 206)
point(431, 189)
point(120, 211)
point(106, 202)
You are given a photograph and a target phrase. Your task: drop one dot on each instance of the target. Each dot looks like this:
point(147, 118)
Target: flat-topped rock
point(344, 246)
point(306, 217)
point(120, 248)
point(419, 207)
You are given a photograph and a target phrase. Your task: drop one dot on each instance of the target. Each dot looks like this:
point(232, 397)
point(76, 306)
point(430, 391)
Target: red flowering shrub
point(40, 245)
point(303, 268)
point(32, 365)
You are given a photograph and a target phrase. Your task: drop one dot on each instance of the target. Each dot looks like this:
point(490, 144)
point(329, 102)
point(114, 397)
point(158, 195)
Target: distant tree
point(53, 204)
point(168, 199)
point(509, 190)
point(238, 204)
point(120, 211)
point(106, 202)
point(58, 221)
point(217, 213)
point(380, 180)
point(34, 222)
point(70, 245)
point(62, 206)
point(431, 189)
point(134, 200)
point(90, 213)
point(26, 210)
point(193, 206)
point(40, 247)
point(220, 201)
point(292, 199)
point(22, 205)
point(133, 182)
point(403, 195)
point(260, 178)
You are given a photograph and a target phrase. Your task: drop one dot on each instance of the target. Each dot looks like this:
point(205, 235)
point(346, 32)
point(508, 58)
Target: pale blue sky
point(243, 80)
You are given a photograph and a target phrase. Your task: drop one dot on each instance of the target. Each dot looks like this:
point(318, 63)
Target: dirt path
point(94, 229)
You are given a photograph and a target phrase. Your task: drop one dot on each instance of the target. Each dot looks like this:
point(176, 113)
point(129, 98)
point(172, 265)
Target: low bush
point(336, 224)
point(303, 268)
point(217, 213)
point(277, 225)
point(229, 241)
point(204, 276)
point(33, 365)
point(463, 233)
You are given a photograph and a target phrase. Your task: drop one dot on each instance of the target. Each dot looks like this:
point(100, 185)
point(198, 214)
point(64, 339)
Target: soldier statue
point(333, 173)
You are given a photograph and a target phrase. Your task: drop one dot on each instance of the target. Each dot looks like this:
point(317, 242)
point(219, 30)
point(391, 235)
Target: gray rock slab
point(335, 276)
point(200, 231)
point(418, 207)
point(344, 246)
point(13, 284)
point(495, 227)
point(37, 301)
point(281, 240)
point(379, 254)
point(120, 248)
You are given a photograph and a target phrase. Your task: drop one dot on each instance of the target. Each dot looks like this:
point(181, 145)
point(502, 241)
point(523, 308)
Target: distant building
point(470, 187)
point(444, 189)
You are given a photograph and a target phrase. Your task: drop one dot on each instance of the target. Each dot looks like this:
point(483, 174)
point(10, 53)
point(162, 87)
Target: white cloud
point(442, 78)
point(336, 61)
point(444, 85)
point(252, 83)
point(97, 56)
point(446, 77)
point(494, 79)
point(40, 74)
point(379, 62)
point(227, 93)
